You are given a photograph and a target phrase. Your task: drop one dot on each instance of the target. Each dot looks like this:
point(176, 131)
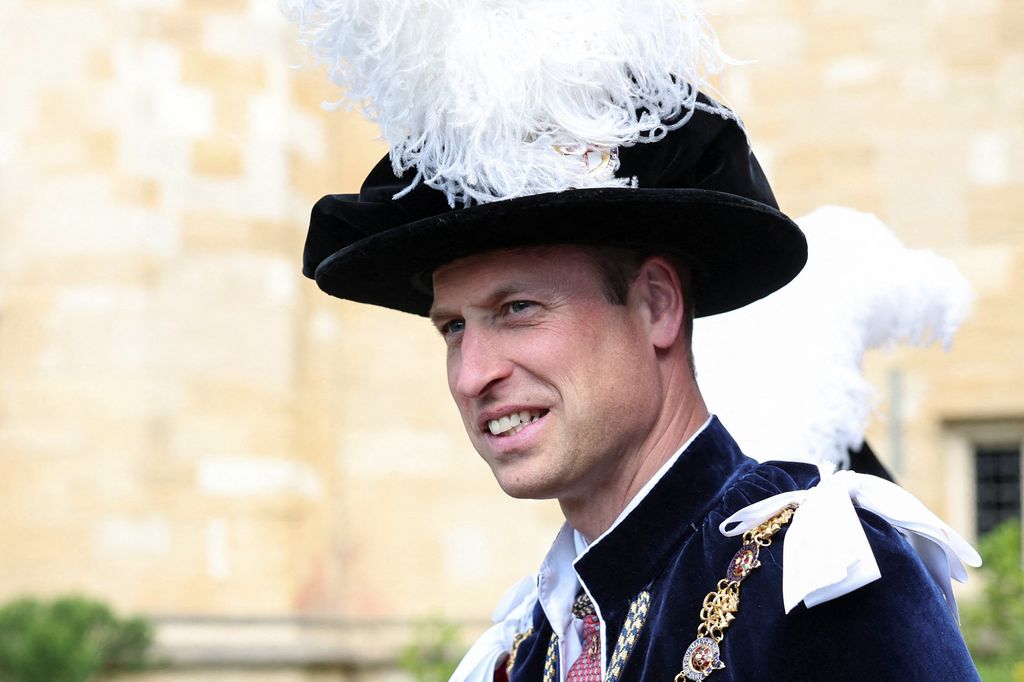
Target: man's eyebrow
point(438, 314)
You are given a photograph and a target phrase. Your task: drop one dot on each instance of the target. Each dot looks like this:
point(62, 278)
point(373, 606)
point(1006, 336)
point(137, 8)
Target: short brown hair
point(619, 268)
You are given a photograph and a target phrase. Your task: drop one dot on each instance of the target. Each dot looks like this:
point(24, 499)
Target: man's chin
point(516, 475)
point(527, 489)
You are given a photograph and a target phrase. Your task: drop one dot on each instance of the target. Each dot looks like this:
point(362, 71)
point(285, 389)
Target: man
point(565, 295)
point(570, 364)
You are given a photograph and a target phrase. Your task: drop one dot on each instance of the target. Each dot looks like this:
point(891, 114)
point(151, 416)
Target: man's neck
point(595, 512)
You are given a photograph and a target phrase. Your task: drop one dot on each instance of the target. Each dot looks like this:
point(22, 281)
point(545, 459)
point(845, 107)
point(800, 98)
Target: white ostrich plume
point(784, 373)
point(493, 99)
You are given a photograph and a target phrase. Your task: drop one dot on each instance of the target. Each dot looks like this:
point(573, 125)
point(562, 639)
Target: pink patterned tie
point(587, 667)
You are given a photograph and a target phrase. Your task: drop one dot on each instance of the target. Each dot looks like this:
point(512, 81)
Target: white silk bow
point(826, 553)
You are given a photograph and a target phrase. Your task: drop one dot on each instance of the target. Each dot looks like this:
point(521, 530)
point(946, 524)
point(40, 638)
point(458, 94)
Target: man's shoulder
point(762, 480)
point(896, 627)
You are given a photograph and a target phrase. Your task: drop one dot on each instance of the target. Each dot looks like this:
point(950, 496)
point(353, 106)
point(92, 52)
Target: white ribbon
point(826, 553)
point(512, 616)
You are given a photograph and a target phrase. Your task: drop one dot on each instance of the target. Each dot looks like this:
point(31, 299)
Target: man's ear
point(660, 294)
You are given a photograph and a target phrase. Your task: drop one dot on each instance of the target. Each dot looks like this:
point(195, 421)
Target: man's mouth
point(514, 422)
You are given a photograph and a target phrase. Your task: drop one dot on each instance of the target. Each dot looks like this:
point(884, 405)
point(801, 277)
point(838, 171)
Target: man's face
point(555, 384)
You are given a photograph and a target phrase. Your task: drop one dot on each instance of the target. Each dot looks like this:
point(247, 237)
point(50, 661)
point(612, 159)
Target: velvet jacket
point(896, 628)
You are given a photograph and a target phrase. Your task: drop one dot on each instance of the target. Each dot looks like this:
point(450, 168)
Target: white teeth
point(513, 422)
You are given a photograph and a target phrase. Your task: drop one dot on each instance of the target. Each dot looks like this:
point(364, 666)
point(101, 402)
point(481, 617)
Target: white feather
point(476, 96)
point(784, 373)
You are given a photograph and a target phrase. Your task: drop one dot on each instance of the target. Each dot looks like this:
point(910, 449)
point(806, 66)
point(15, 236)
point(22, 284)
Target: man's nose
point(481, 363)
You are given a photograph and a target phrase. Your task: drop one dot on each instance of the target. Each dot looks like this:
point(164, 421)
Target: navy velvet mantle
point(896, 628)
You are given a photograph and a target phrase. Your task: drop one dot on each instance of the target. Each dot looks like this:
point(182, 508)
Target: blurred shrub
point(993, 624)
point(68, 639)
point(434, 651)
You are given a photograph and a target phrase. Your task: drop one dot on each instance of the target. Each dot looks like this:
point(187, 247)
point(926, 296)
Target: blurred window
point(997, 477)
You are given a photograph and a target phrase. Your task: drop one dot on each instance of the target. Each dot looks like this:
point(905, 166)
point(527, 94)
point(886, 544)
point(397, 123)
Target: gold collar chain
point(703, 656)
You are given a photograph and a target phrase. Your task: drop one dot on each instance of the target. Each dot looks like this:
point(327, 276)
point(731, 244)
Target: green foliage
point(434, 652)
point(1001, 672)
point(68, 639)
point(994, 623)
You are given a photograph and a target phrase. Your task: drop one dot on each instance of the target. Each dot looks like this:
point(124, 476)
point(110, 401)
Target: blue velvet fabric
point(896, 628)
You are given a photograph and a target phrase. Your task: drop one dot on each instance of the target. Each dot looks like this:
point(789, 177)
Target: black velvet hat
point(700, 194)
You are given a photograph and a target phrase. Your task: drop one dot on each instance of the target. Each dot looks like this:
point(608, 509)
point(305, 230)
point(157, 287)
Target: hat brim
point(740, 250)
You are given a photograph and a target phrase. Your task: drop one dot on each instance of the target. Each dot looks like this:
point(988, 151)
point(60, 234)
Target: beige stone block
point(856, 75)
point(1010, 25)
point(924, 195)
point(312, 179)
point(352, 149)
point(833, 8)
point(56, 154)
point(218, 156)
point(130, 536)
point(831, 36)
point(228, 318)
point(901, 41)
point(225, 232)
point(990, 158)
point(831, 172)
point(231, 110)
point(180, 29)
point(101, 150)
point(988, 267)
point(22, 336)
point(244, 476)
point(39, 271)
point(349, 158)
point(138, 190)
point(93, 328)
point(217, 71)
point(216, 5)
point(1010, 68)
point(184, 112)
point(60, 109)
point(969, 44)
point(100, 65)
point(997, 213)
point(232, 570)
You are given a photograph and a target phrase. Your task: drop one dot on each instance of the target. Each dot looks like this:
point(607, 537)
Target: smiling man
point(569, 359)
point(574, 202)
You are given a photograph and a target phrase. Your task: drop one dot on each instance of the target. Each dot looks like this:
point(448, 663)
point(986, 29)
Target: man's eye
point(519, 306)
point(452, 327)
